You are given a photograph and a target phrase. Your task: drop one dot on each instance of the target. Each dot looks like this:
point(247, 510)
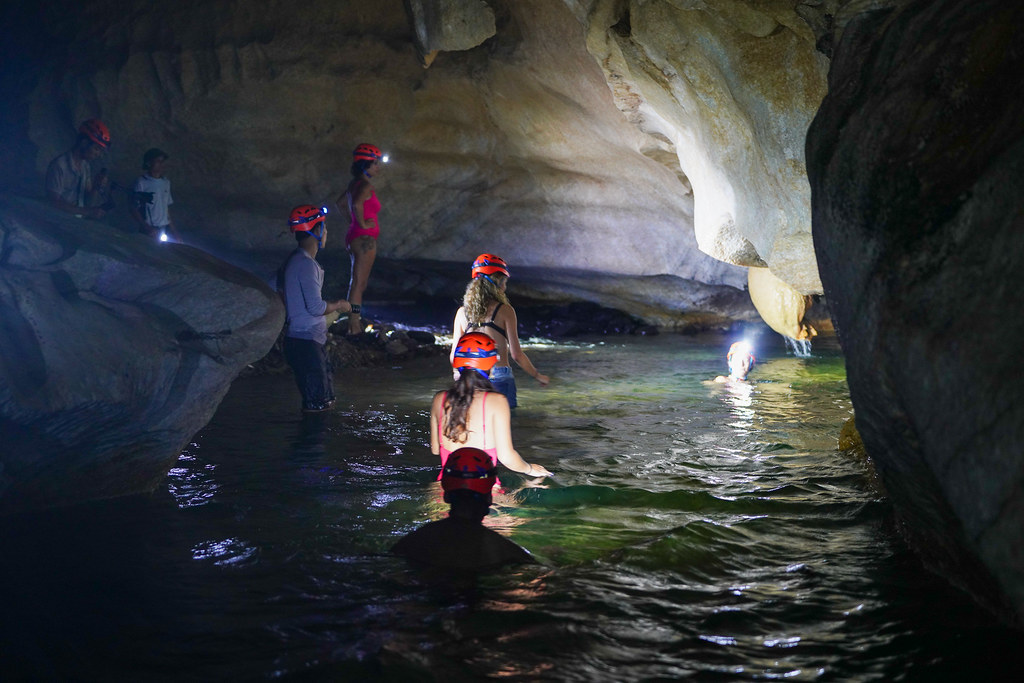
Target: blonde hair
point(481, 293)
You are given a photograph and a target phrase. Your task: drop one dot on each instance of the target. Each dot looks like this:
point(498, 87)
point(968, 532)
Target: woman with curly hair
point(485, 308)
point(471, 413)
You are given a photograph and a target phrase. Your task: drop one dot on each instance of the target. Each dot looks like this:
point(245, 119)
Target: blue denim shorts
point(504, 381)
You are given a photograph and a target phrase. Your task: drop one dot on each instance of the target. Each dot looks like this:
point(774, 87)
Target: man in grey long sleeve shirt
point(300, 280)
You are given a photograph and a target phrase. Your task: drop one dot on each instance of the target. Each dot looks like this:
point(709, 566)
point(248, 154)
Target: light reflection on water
point(692, 529)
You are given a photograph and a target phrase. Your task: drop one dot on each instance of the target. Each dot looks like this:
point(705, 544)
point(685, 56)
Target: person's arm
point(458, 329)
point(340, 305)
point(515, 351)
point(499, 419)
point(97, 187)
point(436, 410)
point(308, 287)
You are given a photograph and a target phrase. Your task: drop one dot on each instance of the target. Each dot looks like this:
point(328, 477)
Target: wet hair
point(458, 400)
point(481, 293)
point(359, 167)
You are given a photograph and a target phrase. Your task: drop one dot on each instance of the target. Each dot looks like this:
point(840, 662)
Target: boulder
point(916, 162)
point(114, 352)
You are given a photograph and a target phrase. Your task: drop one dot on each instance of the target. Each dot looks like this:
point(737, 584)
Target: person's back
point(460, 541)
point(463, 544)
point(470, 413)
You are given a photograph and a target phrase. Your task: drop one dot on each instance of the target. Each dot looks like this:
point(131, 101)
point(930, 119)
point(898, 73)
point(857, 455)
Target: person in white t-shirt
point(152, 206)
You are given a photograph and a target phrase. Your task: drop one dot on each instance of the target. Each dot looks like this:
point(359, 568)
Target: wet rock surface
point(114, 352)
point(916, 171)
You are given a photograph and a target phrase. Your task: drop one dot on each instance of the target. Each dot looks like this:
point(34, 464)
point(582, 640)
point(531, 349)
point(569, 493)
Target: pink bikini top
point(371, 207)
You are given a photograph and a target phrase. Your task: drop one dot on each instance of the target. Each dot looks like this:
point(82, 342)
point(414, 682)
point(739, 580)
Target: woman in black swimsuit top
point(486, 308)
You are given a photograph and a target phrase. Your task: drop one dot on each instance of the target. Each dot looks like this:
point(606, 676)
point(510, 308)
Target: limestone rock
point(114, 352)
point(779, 305)
point(729, 88)
point(916, 162)
point(450, 24)
point(514, 147)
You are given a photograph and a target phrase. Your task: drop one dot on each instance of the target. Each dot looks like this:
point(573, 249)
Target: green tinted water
point(691, 529)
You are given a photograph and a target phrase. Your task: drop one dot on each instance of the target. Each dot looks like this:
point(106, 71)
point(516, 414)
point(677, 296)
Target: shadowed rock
point(114, 351)
point(916, 162)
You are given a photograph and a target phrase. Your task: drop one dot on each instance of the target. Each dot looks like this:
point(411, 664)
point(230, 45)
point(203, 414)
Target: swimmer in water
point(461, 541)
point(741, 359)
point(472, 413)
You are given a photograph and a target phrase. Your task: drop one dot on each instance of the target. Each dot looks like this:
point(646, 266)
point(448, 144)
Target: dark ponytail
point(359, 167)
point(458, 400)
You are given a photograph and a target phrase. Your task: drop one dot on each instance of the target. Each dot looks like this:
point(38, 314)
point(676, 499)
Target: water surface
point(692, 531)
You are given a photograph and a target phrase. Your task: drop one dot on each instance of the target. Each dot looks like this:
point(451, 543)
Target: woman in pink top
point(361, 239)
point(471, 413)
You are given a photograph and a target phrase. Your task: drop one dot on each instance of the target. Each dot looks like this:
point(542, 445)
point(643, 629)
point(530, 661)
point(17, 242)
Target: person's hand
point(101, 180)
point(343, 306)
point(455, 375)
point(537, 471)
point(543, 379)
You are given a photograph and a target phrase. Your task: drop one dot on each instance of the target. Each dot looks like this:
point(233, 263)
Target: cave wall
point(515, 146)
point(729, 89)
point(916, 161)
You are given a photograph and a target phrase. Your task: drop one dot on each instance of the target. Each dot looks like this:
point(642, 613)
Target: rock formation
point(514, 147)
point(779, 305)
point(114, 352)
point(916, 162)
point(727, 88)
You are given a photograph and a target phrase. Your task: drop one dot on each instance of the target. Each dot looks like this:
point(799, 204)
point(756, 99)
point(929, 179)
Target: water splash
point(801, 348)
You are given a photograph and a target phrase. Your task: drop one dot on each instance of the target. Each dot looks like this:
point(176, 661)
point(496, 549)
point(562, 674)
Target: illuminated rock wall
point(514, 147)
point(916, 162)
point(728, 89)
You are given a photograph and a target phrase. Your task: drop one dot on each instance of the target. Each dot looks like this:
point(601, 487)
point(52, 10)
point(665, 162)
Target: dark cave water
point(692, 530)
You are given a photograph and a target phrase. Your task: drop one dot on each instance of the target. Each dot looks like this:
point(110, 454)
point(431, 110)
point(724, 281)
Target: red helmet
point(367, 152)
point(475, 350)
point(489, 264)
point(469, 469)
point(305, 218)
point(97, 131)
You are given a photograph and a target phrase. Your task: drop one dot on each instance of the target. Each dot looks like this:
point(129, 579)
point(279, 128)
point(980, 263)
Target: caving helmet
point(489, 264)
point(306, 218)
point(469, 469)
point(740, 358)
point(475, 350)
point(97, 131)
point(367, 152)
